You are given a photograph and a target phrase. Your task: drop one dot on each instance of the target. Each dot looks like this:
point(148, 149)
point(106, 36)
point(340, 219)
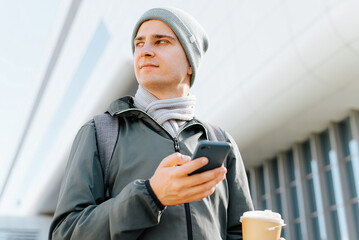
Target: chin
point(151, 80)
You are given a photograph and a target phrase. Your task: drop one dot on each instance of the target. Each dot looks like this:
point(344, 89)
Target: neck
point(164, 93)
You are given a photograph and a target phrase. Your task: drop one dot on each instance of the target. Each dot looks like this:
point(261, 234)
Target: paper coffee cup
point(263, 225)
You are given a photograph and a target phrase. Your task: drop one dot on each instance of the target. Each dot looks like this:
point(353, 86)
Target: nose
point(147, 50)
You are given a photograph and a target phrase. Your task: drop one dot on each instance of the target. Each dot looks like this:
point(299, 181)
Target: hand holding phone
point(216, 152)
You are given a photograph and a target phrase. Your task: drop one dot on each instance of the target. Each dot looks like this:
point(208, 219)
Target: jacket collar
point(120, 105)
point(125, 104)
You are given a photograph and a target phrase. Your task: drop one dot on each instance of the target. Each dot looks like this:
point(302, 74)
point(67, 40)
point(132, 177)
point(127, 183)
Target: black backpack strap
point(106, 133)
point(215, 133)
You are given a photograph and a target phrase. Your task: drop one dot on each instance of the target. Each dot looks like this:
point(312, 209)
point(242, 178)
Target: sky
point(24, 32)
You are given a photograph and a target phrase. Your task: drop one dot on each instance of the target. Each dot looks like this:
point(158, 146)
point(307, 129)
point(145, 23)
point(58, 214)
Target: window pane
point(335, 225)
point(307, 157)
point(325, 145)
point(291, 169)
point(262, 190)
point(330, 187)
point(283, 233)
point(264, 204)
point(345, 135)
point(311, 196)
point(278, 202)
point(294, 198)
point(356, 217)
point(351, 180)
point(298, 232)
point(275, 175)
point(316, 231)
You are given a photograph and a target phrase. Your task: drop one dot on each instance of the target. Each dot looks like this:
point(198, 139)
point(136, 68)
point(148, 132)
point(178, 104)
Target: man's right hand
point(173, 186)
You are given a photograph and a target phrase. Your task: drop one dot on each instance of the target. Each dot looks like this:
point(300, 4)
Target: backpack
point(107, 128)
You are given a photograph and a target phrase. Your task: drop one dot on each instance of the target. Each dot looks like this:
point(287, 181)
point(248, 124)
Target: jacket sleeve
point(81, 211)
point(240, 200)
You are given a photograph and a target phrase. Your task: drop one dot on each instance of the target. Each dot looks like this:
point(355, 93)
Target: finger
point(194, 165)
point(210, 175)
point(174, 159)
point(203, 181)
point(205, 177)
point(201, 191)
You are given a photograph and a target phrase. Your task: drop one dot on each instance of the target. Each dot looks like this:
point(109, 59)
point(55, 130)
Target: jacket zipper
point(177, 149)
point(176, 144)
point(186, 205)
point(189, 221)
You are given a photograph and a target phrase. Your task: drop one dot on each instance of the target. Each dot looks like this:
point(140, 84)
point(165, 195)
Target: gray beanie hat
point(189, 32)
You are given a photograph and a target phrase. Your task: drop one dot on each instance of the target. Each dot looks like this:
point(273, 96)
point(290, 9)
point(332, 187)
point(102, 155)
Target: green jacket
point(131, 212)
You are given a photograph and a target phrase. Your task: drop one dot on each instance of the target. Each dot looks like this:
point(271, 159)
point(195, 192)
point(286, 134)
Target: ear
point(189, 71)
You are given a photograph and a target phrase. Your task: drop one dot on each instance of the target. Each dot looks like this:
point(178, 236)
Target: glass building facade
point(314, 185)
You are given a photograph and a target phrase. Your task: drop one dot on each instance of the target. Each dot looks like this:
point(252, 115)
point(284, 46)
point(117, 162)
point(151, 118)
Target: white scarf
point(170, 113)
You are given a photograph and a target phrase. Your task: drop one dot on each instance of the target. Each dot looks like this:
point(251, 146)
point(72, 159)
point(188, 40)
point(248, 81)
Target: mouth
point(148, 65)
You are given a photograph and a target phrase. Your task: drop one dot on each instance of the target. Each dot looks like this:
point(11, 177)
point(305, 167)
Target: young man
point(152, 195)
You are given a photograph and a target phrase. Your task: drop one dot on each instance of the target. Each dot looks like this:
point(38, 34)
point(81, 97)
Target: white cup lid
point(266, 215)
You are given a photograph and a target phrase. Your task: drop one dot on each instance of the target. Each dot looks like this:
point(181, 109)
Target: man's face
point(159, 60)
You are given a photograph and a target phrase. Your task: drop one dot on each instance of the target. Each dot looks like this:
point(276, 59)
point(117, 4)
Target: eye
point(139, 44)
point(162, 41)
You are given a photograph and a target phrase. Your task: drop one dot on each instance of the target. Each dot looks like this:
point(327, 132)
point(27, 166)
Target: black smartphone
point(216, 152)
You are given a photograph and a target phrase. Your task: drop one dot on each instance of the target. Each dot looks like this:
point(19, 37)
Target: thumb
point(174, 159)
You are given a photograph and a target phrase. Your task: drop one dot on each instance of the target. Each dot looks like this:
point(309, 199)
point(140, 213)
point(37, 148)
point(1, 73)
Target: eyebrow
point(156, 36)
